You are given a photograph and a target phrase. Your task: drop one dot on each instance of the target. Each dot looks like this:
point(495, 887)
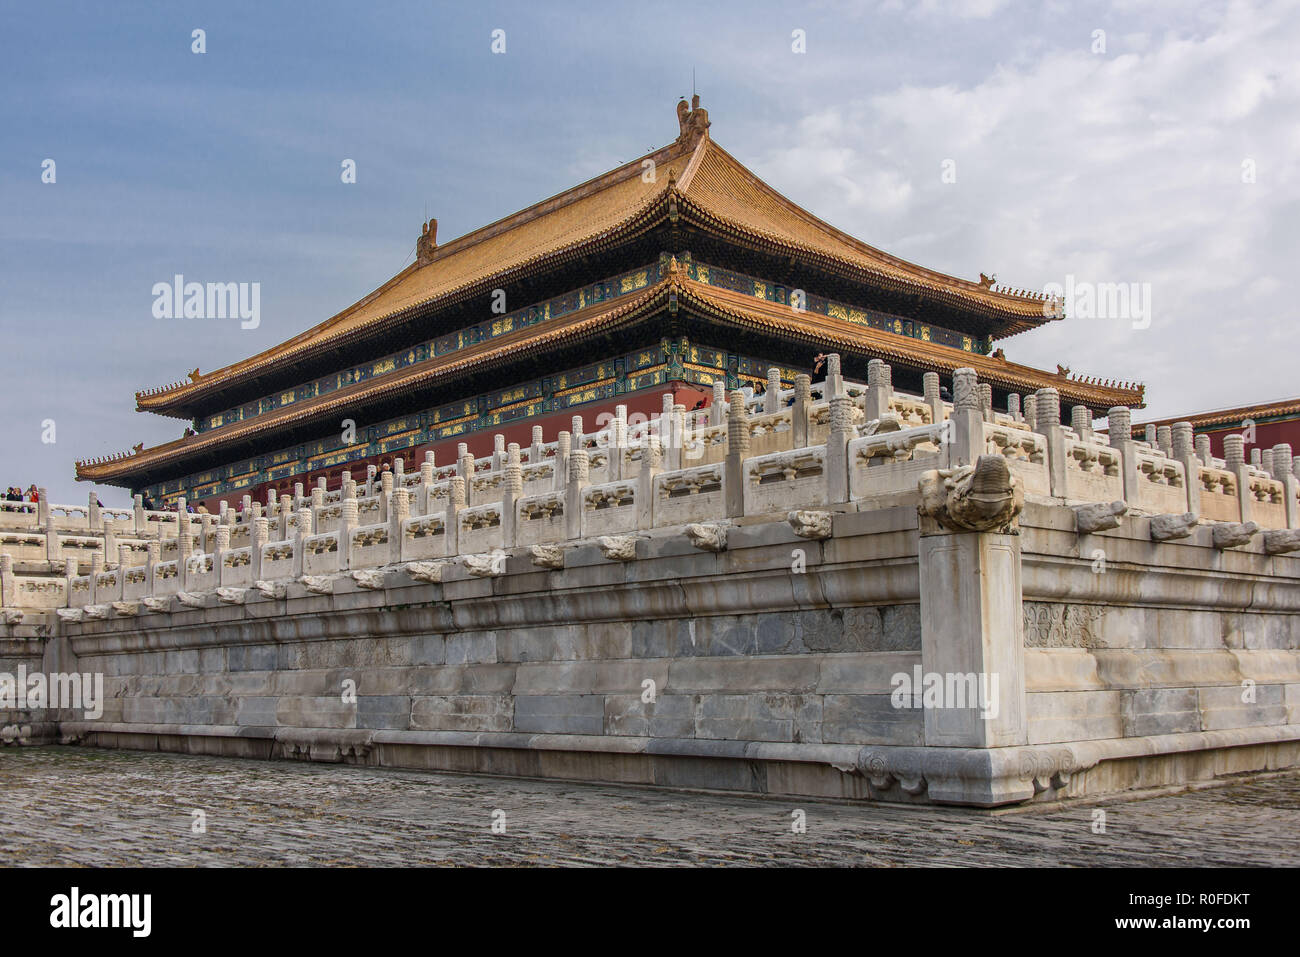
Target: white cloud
point(1125, 167)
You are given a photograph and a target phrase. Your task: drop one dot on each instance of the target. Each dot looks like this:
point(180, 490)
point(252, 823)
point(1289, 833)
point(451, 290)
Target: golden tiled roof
point(725, 307)
point(726, 191)
point(709, 185)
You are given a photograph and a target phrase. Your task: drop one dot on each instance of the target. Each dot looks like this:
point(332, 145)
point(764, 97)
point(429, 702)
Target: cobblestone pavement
point(80, 806)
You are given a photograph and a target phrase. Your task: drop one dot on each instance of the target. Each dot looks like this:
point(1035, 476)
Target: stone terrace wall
point(606, 609)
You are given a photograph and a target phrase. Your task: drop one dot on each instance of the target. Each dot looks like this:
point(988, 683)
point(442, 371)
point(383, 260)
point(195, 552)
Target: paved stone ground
point(79, 806)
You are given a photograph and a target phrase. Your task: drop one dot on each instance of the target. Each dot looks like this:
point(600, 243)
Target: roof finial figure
point(427, 243)
point(693, 120)
point(988, 281)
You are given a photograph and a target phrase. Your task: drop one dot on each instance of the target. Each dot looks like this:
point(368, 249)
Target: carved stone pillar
point(837, 446)
point(1234, 460)
point(579, 466)
point(966, 435)
point(1119, 429)
point(972, 629)
point(879, 386)
point(455, 502)
point(930, 388)
point(1182, 445)
point(512, 489)
point(733, 480)
point(1048, 424)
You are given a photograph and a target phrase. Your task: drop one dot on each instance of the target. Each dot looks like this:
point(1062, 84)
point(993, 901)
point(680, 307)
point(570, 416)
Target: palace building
point(675, 271)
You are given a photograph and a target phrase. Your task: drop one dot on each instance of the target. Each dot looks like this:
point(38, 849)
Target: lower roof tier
point(618, 346)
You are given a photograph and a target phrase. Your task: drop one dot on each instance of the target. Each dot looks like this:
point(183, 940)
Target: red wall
point(1267, 435)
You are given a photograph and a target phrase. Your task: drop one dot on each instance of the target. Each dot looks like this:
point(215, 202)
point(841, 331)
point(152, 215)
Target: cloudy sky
point(1153, 143)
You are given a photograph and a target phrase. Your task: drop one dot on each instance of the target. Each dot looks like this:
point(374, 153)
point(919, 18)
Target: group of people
point(16, 494)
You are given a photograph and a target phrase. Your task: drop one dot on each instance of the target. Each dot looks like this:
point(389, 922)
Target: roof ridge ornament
point(427, 243)
point(692, 121)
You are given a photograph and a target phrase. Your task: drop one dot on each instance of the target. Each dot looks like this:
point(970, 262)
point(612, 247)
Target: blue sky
point(1122, 165)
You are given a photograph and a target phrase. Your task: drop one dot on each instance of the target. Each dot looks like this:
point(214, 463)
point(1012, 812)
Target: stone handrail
point(698, 472)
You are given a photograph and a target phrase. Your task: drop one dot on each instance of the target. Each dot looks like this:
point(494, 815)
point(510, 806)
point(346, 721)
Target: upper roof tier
point(693, 179)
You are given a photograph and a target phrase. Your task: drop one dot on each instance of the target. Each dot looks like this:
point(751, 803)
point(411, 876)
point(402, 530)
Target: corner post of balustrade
point(1283, 472)
point(930, 391)
point(348, 488)
point(8, 587)
point(986, 401)
point(220, 546)
point(285, 510)
point(718, 410)
point(772, 397)
point(737, 451)
point(965, 434)
point(317, 504)
point(1048, 425)
point(875, 402)
point(455, 502)
point(1234, 461)
point(1013, 407)
point(92, 513)
point(972, 627)
point(43, 508)
point(1119, 428)
point(668, 433)
point(399, 512)
point(258, 536)
point(1183, 446)
point(137, 509)
point(370, 480)
point(579, 479)
point(563, 448)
